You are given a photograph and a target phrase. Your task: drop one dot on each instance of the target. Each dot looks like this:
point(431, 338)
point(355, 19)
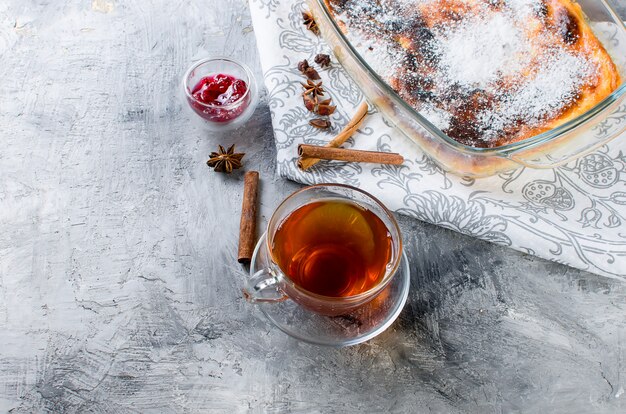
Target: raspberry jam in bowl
point(221, 91)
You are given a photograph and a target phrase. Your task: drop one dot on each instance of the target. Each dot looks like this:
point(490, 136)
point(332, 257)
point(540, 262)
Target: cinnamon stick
point(342, 137)
point(341, 154)
point(247, 225)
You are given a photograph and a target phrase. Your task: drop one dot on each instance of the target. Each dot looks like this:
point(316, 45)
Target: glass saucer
point(353, 328)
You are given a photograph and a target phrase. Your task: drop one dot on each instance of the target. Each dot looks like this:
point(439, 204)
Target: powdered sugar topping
point(556, 82)
point(480, 50)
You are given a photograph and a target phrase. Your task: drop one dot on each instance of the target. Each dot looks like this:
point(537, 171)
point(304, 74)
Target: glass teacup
point(331, 248)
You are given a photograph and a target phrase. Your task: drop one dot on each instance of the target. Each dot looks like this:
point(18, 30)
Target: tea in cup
point(331, 248)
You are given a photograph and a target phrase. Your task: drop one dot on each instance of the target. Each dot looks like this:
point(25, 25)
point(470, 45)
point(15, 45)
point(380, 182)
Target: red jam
point(219, 91)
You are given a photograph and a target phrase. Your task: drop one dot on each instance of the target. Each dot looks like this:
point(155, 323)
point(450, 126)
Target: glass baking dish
point(576, 138)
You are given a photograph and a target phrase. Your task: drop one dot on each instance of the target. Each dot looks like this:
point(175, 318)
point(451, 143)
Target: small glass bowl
point(221, 117)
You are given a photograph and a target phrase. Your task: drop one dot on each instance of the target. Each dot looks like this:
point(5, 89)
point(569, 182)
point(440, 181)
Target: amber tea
point(333, 248)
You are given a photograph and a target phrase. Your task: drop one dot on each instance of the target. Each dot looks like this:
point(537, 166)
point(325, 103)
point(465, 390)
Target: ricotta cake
point(485, 72)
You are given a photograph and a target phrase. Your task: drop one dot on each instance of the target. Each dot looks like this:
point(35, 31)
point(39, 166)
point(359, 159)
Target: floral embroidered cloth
point(575, 214)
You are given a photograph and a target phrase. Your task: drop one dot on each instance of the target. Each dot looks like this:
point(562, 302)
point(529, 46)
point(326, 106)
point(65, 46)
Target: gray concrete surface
point(119, 285)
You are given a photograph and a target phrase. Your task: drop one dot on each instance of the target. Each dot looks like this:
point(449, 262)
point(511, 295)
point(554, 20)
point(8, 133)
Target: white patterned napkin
point(575, 214)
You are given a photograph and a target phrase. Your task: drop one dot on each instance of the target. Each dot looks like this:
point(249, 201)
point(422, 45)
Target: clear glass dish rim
point(233, 105)
point(504, 149)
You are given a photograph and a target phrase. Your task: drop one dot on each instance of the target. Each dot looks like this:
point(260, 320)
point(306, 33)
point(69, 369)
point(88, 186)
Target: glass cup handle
point(263, 287)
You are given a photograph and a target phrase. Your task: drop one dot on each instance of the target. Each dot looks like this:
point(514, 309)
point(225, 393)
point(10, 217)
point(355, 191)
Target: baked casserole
point(487, 73)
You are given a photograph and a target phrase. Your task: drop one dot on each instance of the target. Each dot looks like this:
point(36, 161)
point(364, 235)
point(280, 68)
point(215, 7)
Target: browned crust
point(564, 18)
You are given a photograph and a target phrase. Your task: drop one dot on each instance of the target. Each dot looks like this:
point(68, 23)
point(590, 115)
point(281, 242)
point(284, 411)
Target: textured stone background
point(119, 286)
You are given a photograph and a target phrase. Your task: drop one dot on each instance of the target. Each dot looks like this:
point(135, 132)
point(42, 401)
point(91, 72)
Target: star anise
point(309, 22)
point(225, 160)
point(322, 60)
point(303, 65)
point(312, 88)
point(325, 108)
point(307, 70)
point(311, 73)
point(310, 103)
point(320, 123)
